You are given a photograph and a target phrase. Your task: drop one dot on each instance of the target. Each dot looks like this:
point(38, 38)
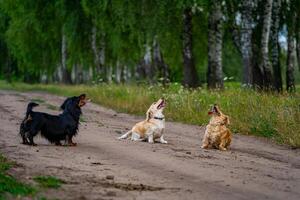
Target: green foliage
point(51, 107)
point(38, 100)
point(4, 164)
point(31, 35)
point(48, 181)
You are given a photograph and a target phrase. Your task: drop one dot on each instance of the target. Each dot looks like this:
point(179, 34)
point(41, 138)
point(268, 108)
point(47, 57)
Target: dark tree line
point(192, 41)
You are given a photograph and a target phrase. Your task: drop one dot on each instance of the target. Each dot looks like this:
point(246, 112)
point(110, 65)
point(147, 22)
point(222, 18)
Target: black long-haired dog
point(53, 127)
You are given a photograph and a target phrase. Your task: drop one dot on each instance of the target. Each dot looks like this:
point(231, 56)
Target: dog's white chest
point(161, 124)
point(157, 132)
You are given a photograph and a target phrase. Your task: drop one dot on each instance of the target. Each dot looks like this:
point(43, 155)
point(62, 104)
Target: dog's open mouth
point(212, 110)
point(83, 100)
point(162, 104)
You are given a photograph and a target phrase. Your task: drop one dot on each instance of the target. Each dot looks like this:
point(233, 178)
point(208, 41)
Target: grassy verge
point(48, 181)
point(262, 114)
point(10, 188)
point(9, 185)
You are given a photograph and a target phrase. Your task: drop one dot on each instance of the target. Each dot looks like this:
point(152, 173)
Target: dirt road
point(102, 167)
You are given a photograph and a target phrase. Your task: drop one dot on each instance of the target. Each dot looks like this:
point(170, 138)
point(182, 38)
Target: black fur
point(52, 127)
point(26, 123)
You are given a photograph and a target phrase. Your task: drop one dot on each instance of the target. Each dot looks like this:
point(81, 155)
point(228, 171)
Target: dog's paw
point(73, 144)
point(204, 146)
point(25, 143)
point(222, 149)
point(164, 142)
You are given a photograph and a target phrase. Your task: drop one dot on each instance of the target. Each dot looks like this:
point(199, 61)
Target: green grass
point(51, 107)
point(10, 188)
point(276, 116)
point(48, 181)
point(38, 100)
point(9, 185)
point(82, 119)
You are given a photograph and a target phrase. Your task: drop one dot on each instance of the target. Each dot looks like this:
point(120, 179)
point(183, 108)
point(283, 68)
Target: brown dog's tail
point(30, 106)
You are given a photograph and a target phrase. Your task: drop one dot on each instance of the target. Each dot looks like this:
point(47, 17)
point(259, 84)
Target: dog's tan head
point(215, 110)
point(156, 109)
point(216, 113)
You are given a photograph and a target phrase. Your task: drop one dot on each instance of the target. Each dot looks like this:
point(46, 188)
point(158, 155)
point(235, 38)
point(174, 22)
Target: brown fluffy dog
point(217, 135)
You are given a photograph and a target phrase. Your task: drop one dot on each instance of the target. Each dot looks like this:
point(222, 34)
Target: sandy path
point(253, 169)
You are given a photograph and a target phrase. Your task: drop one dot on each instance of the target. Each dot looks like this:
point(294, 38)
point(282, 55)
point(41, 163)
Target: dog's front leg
point(150, 138)
point(205, 141)
point(31, 142)
point(161, 139)
point(70, 141)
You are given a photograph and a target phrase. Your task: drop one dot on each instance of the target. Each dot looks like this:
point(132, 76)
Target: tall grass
point(276, 116)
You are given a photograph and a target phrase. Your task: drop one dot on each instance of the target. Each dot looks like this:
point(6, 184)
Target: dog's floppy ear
point(149, 115)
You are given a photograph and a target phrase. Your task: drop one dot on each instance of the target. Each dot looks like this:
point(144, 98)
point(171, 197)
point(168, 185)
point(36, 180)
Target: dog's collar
point(159, 118)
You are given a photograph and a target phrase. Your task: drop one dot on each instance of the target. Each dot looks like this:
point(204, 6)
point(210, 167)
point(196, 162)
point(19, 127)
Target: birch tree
point(190, 78)
point(247, 8)
point(291, 26)
point(264, 64)
point(215, 39)
point(274, 44)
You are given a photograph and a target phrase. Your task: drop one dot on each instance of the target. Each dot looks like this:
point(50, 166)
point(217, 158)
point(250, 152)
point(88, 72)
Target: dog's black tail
point(30, 106)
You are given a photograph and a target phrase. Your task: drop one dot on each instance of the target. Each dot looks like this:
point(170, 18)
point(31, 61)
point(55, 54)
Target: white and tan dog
point(151, 128)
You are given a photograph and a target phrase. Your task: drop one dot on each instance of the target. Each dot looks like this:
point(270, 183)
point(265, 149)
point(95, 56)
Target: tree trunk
point(290, 68)
point(149, 68)
point(298, 48)
point(109, 73)
point(140, 73)
point(145, 68)
point(275, 48)
point(247, 8)
point(298, 39)
point(8, 67)
point(95, 49)
point(118, 72)
point(159, 64)
point(190, 78)
point(66, 77)
point(87, 74)
point(74, 74)
point(99, 56)
point(231, 12)
point(124, 74)
point(264, 62)
point(215, 72)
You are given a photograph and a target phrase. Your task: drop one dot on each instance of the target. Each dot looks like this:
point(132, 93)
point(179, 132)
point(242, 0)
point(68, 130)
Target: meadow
point(271, 115)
